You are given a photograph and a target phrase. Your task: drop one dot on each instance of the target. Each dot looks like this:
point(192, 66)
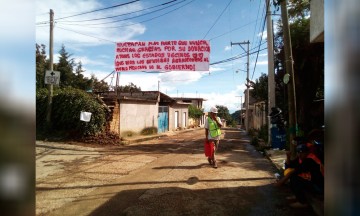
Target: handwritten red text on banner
point(176, 55)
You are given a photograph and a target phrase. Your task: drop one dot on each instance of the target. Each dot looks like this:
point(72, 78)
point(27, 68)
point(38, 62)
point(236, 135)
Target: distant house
point(198, 103)
point(133, 112)
point(317, 21)
point(257, 113)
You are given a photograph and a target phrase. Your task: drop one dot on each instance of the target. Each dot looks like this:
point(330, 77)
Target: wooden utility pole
point(289, 63)
point(50, 86)
point(247, 82)
point(271, 73)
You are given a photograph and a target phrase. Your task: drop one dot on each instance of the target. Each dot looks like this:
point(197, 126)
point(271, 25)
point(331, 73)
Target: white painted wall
point(135, 117)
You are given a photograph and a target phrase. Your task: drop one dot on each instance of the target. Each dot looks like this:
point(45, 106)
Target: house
point(198, 103)
point(257, 113)
point(132, 112)
point(317, 21)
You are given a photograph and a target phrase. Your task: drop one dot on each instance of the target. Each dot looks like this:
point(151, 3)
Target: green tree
point(308, 66)
point(99, 86)
point(260, 88)
point(131, 87)
point(65, 66)
point(41, 65)
point(236, 116)
point(195, 112)
point(223, 112)
point(80, 81)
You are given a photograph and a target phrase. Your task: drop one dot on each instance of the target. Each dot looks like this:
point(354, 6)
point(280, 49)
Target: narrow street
point(165, 176)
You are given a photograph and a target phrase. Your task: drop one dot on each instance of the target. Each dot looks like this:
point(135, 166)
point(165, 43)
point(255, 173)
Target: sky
point(220, 22)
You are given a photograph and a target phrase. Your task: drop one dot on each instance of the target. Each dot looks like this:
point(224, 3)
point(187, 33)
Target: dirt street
point(165, 176)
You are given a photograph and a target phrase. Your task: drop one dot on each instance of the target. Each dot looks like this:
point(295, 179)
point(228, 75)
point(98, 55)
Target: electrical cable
point(123, 15)
point(234, 58)
point(262, 32)
point(233, 30)
point(217, 19)
point(119, 5)
point(86, 34)
point(121, 26)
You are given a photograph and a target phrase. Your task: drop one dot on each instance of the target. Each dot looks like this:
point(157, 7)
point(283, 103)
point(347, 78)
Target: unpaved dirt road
point(165, 176)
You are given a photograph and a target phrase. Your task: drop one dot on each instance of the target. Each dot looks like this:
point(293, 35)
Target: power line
point(114, 21)
point(234, 58)
point(86, 35)
point(257, 55)
point(119, 5)
point(121, 14)
point(147, 19)
point(233, 30)
point(217, 19)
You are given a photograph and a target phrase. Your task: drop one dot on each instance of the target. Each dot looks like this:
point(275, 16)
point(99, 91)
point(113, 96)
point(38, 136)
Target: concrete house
point(257, 113)
point(133, 112)
point(198, 103)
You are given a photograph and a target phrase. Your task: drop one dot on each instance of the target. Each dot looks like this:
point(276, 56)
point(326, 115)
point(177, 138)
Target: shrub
point(66, 108)
point(128, 134)
point(149, 131)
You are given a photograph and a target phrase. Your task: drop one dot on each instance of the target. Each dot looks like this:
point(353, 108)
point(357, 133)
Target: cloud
point(227, 48)
point(80, 32)
point(17, 22)
point(264, 35)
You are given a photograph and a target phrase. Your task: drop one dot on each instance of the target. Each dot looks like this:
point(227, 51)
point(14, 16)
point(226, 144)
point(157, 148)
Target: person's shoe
point(299, 205)
point(293, 197)
point(210, 161)
point(215, 164)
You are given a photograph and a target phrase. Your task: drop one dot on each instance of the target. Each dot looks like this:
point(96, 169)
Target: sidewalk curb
point(156, 136)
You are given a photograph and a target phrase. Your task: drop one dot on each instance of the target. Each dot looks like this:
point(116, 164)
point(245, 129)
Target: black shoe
point(215, 164)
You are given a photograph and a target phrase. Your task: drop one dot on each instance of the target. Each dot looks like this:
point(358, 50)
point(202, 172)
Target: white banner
point(176, 55)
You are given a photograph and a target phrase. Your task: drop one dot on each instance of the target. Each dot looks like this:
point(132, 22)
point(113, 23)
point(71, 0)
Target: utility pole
point(247, 82)
point(271, 73)
point(50, 86)
point(289, 63)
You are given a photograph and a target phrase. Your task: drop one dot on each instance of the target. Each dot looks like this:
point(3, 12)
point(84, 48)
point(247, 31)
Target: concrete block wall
point(115, 122)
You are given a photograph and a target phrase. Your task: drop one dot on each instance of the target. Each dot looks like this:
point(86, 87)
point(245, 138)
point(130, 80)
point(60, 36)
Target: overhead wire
point(114, 6)
point(86, 34)
point(121, 26)
point(232, 30)
point(262, 32)
point(124, 15)
point(217, 19)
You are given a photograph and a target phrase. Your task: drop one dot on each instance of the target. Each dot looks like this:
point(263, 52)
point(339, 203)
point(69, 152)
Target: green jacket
point(213, 128)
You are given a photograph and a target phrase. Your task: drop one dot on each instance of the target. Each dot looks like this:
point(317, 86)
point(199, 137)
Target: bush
point(41, 108)
point(128, 134)
point(66, 108)
point(149, 131)
point(263, 133)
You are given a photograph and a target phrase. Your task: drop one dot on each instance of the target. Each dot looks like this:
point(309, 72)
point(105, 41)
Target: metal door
point(163, 120)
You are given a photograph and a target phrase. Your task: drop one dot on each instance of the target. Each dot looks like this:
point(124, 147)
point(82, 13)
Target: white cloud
point(264, 35)
point(85, 35)
point(16, 22)
point(227, 48)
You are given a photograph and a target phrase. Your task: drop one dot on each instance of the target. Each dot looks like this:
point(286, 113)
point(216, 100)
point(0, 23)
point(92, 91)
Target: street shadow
point(148, 183)
point(259, 200)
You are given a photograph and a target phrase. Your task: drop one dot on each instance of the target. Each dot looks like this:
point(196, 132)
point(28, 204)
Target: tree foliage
point(260, 88)
point(223, 112)
point(195, 112)
point(308, 65)
point(131, 87)
point(41, 65)
point(67, 105)
point(71, 73)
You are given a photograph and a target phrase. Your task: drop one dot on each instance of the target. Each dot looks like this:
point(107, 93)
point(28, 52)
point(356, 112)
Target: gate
point(163, 120)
